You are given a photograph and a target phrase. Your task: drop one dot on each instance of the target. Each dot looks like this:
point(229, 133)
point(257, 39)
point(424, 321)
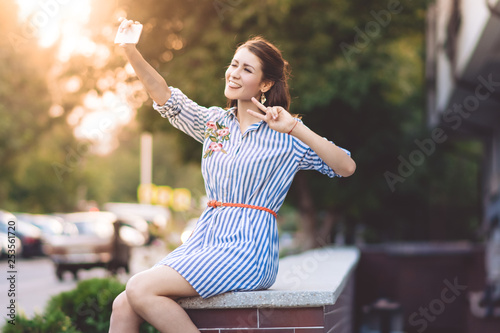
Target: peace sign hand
point(276, 117)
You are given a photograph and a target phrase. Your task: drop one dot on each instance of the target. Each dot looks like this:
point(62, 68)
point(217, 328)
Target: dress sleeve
point(309, 160)
point(186, 115)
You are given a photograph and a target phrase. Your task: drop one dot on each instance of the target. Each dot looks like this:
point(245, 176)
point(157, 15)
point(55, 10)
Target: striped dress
point(234, 248)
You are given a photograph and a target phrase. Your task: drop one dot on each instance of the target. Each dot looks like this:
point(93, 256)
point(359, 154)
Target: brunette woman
point(251, 152)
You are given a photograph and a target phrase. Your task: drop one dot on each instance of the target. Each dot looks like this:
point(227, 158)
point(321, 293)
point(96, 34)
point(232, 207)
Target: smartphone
point(130, 35)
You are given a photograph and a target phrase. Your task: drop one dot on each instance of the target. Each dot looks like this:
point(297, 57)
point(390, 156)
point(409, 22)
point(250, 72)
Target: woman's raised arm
point(155, 84)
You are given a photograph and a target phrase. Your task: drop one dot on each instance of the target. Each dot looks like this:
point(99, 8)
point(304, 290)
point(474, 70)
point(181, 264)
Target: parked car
point(92, 239)
point(4, 244)
point(157, 216)
point(29, 235)
point(47, 224)
point(134, 222)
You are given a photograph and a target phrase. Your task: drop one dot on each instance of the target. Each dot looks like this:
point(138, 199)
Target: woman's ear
point(266, 85)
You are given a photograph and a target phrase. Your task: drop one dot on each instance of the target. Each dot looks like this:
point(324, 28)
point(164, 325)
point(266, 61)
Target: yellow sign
point(178, 199)
point(146, 193)
point(164, 195)
point(182, 199)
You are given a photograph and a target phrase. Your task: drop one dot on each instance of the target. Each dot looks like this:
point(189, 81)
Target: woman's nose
point(235, 73)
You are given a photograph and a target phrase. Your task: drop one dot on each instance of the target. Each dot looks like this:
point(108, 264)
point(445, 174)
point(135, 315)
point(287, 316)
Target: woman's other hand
point(276, 117)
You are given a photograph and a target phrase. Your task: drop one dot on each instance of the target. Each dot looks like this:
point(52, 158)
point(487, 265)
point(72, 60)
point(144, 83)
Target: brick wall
point(335, 318)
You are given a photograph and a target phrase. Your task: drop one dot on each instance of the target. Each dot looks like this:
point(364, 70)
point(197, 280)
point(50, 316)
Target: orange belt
point(215, 204)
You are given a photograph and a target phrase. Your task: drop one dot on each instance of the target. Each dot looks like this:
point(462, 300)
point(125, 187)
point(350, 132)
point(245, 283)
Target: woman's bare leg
point(123, 318)
point(152, 294)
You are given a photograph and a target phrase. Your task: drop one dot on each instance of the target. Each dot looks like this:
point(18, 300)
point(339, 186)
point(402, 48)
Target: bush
point(85, 309)
point(89, 305)
point(56, 321)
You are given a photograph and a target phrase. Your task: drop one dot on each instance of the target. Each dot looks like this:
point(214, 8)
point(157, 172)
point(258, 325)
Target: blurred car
point(156, 215)
point(29, 235)
point(48, 226)
point(6, 234)
point(4, 244)
point(92, 239)
point(134, 222)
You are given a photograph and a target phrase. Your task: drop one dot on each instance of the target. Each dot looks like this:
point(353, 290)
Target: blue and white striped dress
point(233, 248)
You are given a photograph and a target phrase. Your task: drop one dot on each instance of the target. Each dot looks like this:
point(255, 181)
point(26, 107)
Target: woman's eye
point(249, 71)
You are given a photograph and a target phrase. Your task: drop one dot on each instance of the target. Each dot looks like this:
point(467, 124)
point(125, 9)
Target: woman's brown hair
point(274, 69)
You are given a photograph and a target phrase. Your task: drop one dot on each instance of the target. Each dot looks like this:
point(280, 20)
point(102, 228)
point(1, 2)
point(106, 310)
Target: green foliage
point(369, 99)
point(87, 308)
point(89, 305)
point(43, 165)
point(55, 321)
point(23, 100)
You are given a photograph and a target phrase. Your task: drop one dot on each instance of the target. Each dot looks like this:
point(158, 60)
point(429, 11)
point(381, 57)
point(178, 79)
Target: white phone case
point(129, 36)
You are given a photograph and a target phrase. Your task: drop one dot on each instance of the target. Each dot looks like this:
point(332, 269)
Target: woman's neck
point(245, 118)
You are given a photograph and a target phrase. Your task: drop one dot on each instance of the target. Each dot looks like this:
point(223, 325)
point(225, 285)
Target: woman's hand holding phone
point(128, 32)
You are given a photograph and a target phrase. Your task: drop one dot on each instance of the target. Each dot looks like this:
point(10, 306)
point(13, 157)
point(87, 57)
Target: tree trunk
point(326, 229)
point(306, 235)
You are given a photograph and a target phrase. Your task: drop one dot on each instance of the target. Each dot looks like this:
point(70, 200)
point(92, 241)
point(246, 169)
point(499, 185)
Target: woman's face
point(244, 76)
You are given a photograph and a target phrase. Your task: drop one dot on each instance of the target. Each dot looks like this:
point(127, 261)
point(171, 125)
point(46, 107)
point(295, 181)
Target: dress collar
point(232, 112)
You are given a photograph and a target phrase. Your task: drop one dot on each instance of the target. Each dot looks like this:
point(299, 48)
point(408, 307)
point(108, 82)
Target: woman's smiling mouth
point(234, 85)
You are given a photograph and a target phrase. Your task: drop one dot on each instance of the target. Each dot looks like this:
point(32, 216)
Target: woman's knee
point(123, 315)
point(121, 306)
point(133, 291)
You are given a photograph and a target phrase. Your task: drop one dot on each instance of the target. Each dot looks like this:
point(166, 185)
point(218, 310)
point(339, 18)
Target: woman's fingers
point(276, 111)
point(273, 111)
point(281, 125)
point(256, 114)
point(126, 24)
point(259, 104)
point(123, 25)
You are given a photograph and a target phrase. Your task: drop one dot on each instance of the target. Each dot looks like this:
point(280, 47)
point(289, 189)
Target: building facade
point(463, 82)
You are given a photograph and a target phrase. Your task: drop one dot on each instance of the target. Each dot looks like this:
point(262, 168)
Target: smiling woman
point(252, 152)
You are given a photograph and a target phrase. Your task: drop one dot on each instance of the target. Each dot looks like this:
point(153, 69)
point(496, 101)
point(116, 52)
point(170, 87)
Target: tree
point(24, 100)
point(42, 164)
point(357, 78)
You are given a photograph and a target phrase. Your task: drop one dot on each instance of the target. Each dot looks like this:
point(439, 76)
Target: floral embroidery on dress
point(217, 134)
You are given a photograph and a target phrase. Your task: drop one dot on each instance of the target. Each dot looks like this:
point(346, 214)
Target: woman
point(251, 152)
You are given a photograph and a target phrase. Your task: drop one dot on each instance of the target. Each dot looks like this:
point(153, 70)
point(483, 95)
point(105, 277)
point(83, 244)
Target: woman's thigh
point(161, 281)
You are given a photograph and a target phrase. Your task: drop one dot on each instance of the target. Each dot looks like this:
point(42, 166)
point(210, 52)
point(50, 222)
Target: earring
point(263, 98)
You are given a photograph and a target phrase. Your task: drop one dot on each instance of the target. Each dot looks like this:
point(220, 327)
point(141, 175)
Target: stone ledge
point(310, 279)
